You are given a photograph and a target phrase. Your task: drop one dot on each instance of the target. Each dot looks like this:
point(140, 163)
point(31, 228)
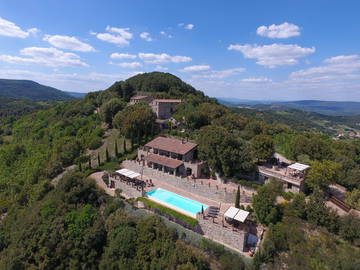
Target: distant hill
point(75, 94)
point(333, 108)
point(25, 89)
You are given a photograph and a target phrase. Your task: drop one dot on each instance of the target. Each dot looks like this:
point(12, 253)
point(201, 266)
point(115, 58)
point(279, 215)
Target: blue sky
point(278, 50)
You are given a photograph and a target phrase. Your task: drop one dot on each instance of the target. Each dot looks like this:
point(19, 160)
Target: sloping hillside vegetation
point(76, 226)
point(305, 121)
point(24, 89)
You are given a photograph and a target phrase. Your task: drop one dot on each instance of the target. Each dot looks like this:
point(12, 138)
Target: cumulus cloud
point(273, 55)
point(284, 30)
point(189, 26)
point(68, 43)
point(51, 57)
point(129, 64)
point(163, 58)
point(118, 36)
point(220, 74)
point(122, 56)
point(10, 29)
point(256, 80)
point(146, 36)
point(338, 67)
point(195, 68)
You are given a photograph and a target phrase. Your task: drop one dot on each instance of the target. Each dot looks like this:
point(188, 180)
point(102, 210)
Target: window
point(289, 185)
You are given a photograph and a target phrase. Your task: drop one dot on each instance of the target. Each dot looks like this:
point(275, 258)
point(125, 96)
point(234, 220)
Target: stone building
point(173, 156)
point(164, 108)
point(137, 99)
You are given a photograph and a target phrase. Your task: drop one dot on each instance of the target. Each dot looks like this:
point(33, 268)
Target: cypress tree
point(89, 162)
point(124, 145)
point(138, 138)
point(99, 161)
point(80, 167)
point(237, 199)
point(132, 144)
point(116, 149)
point(107, 155)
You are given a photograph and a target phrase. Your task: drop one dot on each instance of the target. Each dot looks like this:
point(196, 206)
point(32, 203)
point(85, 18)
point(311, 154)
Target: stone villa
point(163, 108)
point(173, 156)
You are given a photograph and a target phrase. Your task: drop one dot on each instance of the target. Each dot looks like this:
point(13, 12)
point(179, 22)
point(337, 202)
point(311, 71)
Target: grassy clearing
point(169, 211)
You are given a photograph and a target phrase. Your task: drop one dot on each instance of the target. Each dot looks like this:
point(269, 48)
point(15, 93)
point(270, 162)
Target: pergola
point(298, 169)
point(237, 214)
point(128, 173)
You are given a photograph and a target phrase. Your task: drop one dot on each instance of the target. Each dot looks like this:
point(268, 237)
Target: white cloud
point(273, 55)
point(68, 43)
point(10, 29)
point(256, 80)
point(284, 30)
point(166, 34)
point(51, 57)
point(146, 36)
point(163, 58)
point(33, 31)
point(195, 68)
point(118, 36)
point(220, 74)
point(129, 64)
point(339, 67)
point(189, 26)
point(122, 56)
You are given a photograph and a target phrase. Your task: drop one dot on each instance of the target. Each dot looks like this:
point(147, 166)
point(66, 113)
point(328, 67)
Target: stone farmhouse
point(172, 156)
point(163, 108)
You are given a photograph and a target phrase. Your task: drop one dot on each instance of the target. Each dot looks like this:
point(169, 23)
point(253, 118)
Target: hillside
point(25, 89)
point(74, 225)
point(305, 121)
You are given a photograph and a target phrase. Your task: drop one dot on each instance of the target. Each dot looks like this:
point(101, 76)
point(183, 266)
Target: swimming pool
point(176, 202)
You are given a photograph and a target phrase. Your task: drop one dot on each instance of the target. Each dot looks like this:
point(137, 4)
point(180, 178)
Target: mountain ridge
point(28, 89)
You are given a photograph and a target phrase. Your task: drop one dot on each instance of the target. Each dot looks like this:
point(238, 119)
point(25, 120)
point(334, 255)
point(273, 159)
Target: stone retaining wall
point(218, 233)
point(210, 192)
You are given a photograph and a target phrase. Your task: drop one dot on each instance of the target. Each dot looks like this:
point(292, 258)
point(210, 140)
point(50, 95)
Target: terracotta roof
point(165, 161)
point(171, 145)
point(168, 100)
point(139, 97)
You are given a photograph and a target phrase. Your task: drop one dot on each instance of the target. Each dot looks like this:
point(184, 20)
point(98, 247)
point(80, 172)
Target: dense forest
point(75, 226)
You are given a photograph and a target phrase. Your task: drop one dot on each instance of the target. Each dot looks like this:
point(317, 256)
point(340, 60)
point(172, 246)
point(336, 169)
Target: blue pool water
point(177, 201)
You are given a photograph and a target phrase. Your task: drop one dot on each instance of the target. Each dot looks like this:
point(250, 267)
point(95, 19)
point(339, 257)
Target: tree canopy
point(109, 109)
point(224, 152)
point(135, 120)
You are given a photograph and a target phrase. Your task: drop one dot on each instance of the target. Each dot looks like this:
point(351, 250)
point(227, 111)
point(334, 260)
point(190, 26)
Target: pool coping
point(173, 207)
